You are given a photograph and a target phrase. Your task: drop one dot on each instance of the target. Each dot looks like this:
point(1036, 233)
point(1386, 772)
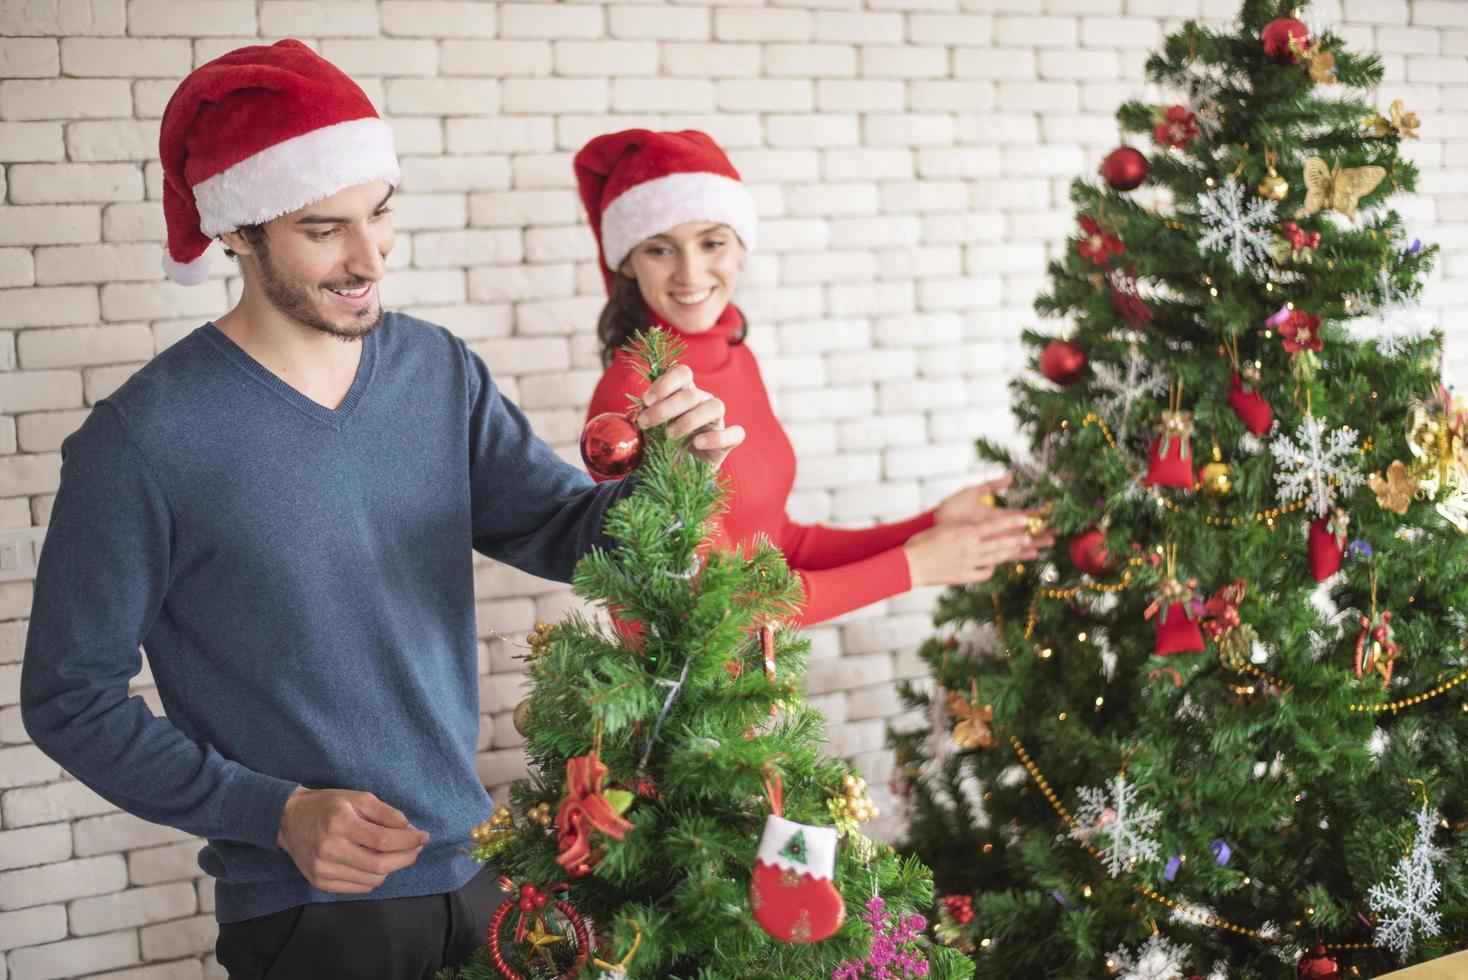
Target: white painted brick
point(33, 926)
point(198, 18)
point(997, 64)
point(966, 161)
point(67, 264)
point(502, 766)
point(15, 601)
point(12, 646)
point(65, 183)
point(130, 222)
point(514, 356)
point(1408, 40)
point(495, 58)
point(151, 301)
point(437, 18)
point(552, 95)
point(30, 846)
point(1426, 70)
point(17, 268)
point(846, 672)
point(852, 27)
point(150, 96)
point(99, 382)
point(867, 164)
point(70, 17)
point(61, 881)
point(384, 56)
point(659, 22)
point(456, 173)
point(172, 862)
point(557, 316)
point(910, 129)
point(903, 61)
point(323, 18)
point(1119, 32)
point(951, 29)
point(554, 21)
point(48, 306)
point(443, 96)
point(659, 94)
point(131, 908)
point(26, 765)
point(112, 139)
point(25, 142)
point(80, 346)
point(193, 969)
point(888, 230)
point(74, 956)
point(1039, 96)
point(878, 431)
point(28, 474)
point(863, 95)
point(117, 57)
point(926, 262)
point(916, 197)
point(1440, 13)
point(559, 244)
point(517, 209)
point(43, 432)
point(762, 24)
point(64, 98)
point(834, 199)
point(500, 135)
point(949, 95)
point(822, 130)
point(606, 58)
point(810, 60)
point(29, 57)
point(830, 472)
point(1377, 11)
point(1079, 64)
point(184, 937)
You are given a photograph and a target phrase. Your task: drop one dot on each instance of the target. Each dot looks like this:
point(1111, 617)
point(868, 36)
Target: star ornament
point(1394, 492)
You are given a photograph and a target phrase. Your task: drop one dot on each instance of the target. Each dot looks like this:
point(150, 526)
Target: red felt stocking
point(1249, 406)
point(792, 892)
point(1326, 545)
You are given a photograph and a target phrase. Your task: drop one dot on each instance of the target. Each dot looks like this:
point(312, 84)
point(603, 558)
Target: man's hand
point(674, 399)
point(346, 841)
point(971, 504)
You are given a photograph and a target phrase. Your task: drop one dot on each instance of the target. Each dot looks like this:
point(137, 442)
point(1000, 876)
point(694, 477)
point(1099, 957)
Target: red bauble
point(1088, 553)
point(1125, 168)
point(1318, 965)
point(1176, 633)
point(1249, 406)
point(1063, 362)
point(1276, 39)
point(1172, 467)
point(611, 445)
point(1324, 549)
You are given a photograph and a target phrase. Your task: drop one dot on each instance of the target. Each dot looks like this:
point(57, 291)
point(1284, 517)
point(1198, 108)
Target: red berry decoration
point(1088, 553)
point(1063, 362)
point(1177, 128)
point(1125, 168)
point(1317, 965)
point(611, 445)
point(1276, 38)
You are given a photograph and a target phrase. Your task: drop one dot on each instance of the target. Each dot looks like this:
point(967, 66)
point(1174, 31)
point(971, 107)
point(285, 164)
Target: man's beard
point(295, 301)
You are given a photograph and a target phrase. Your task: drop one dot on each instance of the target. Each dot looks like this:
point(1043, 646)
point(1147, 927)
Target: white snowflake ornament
point(1120, 387)
point(1316, 465)
point(1158, 959)
point(1112, 820)
point(1240, 227)
point(1405, 901)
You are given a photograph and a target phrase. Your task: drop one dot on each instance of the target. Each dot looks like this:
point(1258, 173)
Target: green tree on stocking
point(1219, 731)
point(682, 807)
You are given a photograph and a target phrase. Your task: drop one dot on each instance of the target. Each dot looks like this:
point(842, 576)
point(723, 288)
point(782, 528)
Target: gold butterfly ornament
point(1402, 122)
point(1339, 189)
point(972, 728)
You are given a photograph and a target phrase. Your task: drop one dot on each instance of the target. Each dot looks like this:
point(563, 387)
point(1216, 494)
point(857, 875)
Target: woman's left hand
point(674, 398)
point(971, 504)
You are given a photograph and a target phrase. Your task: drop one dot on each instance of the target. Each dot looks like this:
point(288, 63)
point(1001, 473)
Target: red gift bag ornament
point(1177, 607)
point(792, 891)
point(1170, 463)
point(1247, 403)
point(1326, 544)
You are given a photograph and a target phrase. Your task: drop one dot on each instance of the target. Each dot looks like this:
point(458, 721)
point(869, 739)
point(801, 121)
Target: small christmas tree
point(1199, 737)
point(681, 800)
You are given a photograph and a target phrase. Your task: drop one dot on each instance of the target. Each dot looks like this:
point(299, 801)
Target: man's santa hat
point(258, 133)
point(639, 183)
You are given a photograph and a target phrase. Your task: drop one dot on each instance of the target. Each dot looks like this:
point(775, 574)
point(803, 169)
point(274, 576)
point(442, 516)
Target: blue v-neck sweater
point(301, 580)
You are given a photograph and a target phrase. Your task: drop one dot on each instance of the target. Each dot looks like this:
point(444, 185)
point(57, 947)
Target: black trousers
point(382, 939)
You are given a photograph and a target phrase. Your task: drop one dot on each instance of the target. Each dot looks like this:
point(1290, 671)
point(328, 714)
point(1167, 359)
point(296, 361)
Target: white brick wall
point(910, 158)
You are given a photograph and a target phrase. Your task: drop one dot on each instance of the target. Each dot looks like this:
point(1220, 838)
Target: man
point(281, 508)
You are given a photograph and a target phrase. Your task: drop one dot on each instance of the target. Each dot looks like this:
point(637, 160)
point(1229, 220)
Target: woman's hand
point(961, 554)
point(673, 398)
point(971, 504)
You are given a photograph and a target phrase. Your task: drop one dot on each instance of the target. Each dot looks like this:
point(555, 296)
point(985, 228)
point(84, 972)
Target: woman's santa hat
point(639, 183)
point(257, 133)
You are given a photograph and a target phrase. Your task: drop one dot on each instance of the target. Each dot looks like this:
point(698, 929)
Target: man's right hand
point(346, 841)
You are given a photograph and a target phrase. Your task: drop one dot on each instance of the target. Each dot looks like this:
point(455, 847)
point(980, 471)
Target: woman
point(673, 222)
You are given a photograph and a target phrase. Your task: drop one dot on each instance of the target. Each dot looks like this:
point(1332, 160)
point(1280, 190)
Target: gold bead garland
point(1416, 699)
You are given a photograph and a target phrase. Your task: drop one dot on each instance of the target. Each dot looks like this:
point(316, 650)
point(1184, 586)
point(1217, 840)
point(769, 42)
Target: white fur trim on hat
point(653, 206)
point(186, 273)
point(297, 172)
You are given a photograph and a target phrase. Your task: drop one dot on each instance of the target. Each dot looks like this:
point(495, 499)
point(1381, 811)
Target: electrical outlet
point(20, 549)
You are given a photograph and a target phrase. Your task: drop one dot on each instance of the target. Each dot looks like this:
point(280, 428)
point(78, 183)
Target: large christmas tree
point(1220, 730)
point(683, 820)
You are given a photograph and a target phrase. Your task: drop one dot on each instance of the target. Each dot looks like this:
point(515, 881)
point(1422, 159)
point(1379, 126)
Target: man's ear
point(236, 242)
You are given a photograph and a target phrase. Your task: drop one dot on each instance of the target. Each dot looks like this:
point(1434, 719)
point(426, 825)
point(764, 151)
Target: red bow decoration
point(1300, 238)
point(585, 809)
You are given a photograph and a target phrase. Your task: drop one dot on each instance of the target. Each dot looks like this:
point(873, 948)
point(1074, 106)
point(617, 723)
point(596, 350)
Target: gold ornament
point(854, 789)
point(972, 730)
point(1274, 187)
point(1216, 477)
point(539, 638)
point(1434, 435)
point(521, 717)
point(540, 813)
point(1402, 122)
point(1337, 189)
point(1394, 493)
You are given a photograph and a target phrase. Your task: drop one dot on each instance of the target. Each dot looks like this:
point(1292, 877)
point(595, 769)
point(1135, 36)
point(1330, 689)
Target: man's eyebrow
point(323, 219)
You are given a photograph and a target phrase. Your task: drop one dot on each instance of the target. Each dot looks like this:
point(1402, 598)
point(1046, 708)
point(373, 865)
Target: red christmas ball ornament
point(1125, 168)
point(1318, 965)
point(1276, 38)
point(1088, 553)
point(611, 445)
point(1063, 362)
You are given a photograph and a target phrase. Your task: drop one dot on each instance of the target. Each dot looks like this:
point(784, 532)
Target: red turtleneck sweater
point(841, 570)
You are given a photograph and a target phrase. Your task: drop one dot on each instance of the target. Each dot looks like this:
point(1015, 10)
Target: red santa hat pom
point(258, 133)
point(639, 183)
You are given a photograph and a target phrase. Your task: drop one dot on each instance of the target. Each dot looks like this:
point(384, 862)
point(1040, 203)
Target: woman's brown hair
point(626, 315)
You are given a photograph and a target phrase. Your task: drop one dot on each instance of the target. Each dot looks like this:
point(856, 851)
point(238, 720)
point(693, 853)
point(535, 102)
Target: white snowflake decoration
point(1239, 226)
point(1113, 820)
point(1317, 467)
point(1124, 385)
point(1405, 901)
point(1158, 959)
